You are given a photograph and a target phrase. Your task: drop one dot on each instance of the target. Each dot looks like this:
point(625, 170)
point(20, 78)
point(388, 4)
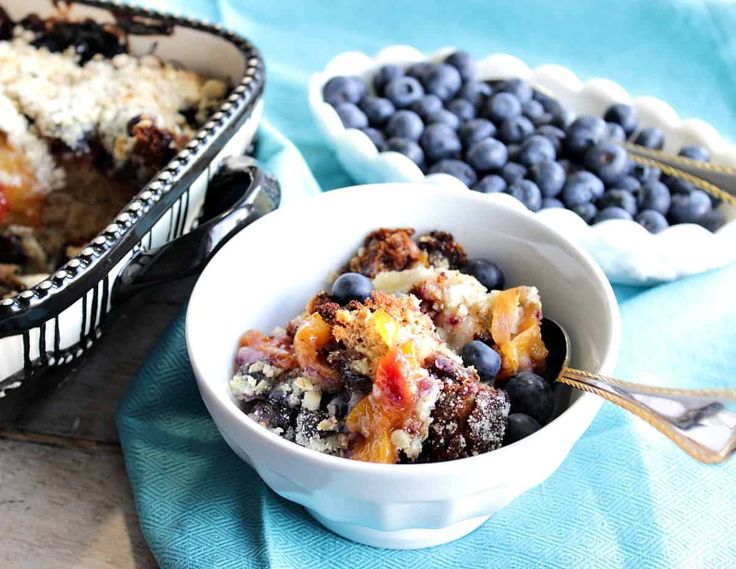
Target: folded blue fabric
point(625, 497)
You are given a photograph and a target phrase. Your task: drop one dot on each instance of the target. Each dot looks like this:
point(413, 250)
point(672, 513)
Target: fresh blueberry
point(689, 208)
point(444, 81)
point(530, 394)
point(351, 116)
point(513, 172)
point(534, 111)
point(606, 160)
point(386, 74)
point(628, 183)
point(377, 138)
point(527, 193)
point(405, 124)
point(581, 187)
point(584, 132)
point(587, 211)
point(351, 286)
point(519, 426)
point(652, 221)
point(650, 137)
point(483, 358)
point(344, 90)
point(549, 177)
point(515, 129)
point(464, 110)
point(403, 91)
point(488, 154)
point(513, 151)
point(408, 148)
point(444, 116)
point(678, 185)
point(476, 130)
point(476, 92)
point(486, 272)
point(462, 61)
point(461, 170)
point(536, 149)
point(619, 198)
point(490, 184)
point(552, 203)
point(612, 213)
point(712, 220)
point(623, 115)
point(519, 88)
point(502, 106)
point(560, 115)
point(378, 110)
point(555, 135)
point(419, 70)
point(439, 141)
point(615, 132)
point(655, 196)
point(426, 105)
point(695, 153)
point(640, 172)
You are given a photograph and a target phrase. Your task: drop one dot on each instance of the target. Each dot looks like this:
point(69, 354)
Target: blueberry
point(587, 211)
point(378, 110)
point(377, 138)
point(581, 187)
point(536, 149)
point(488, 154)
point(530, 394)
point(650, 137)
point(617, 197)
point(464, 110)
point(689, 208)
point(461, 170)
point(712, 220)
point(555, 135)
point(405, 124)
point(386, 74)
point(462, 61)
point(444, 116)
point(583, 133)
point(440, 141)
point(623, 115)
point(351, 116)
point(426, 105)
point(491, 184)
point(519, 88)
point(560, 115)
point(444, 81)
point(628, 183)
point(513, 172)
point(502, 106)
point(695, 153)
point(486, 272)
point(656, 196)
point(615, 132)
point(549, 177)
point(344, 90)
point(351, 286)
point(483, 358)
point(527, 193)
point(641, 173)
point(534, 111)
point(679, 186)
point(476, 92)
point(515, 129)
point(419, 70)
point(606, 160)
point(552, 203)
point(612, 212)
point(408, 148)
point(652, 221)
point(519, 426)
point(403, 91)
point(476, 130)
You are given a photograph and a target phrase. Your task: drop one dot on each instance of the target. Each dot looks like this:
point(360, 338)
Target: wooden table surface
point(65, 500)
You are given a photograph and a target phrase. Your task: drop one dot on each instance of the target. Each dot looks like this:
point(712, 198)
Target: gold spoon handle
point(698, 421)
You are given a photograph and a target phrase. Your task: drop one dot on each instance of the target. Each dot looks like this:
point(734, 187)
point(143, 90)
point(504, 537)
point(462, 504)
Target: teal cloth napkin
point(625, 497)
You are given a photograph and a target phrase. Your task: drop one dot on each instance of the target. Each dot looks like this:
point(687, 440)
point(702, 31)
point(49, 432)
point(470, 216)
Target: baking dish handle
point(239, 194)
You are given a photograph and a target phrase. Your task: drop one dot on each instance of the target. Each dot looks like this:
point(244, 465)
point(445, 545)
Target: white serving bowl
point(264, 276)
point(625, 250)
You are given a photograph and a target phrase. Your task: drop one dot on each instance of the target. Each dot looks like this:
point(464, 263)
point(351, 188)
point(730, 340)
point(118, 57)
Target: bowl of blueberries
point(539, 138)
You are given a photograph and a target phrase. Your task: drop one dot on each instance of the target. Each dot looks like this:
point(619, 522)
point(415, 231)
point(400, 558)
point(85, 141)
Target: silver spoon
point(698, 421)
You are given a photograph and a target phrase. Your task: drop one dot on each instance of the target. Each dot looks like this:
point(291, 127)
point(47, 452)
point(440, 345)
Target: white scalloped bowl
point(626, 251)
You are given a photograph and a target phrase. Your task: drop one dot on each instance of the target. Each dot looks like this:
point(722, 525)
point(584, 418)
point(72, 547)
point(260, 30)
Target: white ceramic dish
point(626, 251)
point(248, 285)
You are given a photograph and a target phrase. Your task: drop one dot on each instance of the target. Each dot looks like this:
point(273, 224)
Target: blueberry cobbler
point(82, 125)
point(417, 354)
